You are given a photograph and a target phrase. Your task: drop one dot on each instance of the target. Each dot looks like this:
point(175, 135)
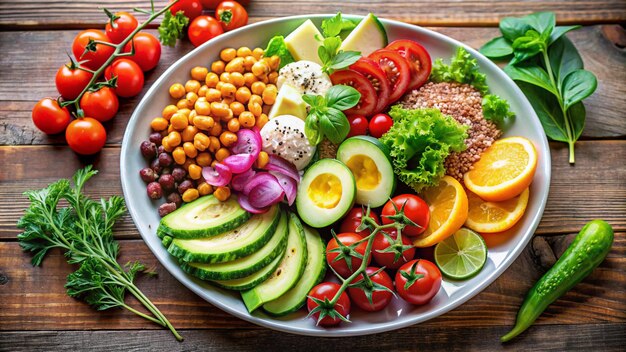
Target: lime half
point(461, 255)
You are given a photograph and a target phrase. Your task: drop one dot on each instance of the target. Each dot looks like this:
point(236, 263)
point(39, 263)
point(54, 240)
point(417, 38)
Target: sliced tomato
point(369, 99)
point(418, 59)
point(377, 77)
point(397, 70)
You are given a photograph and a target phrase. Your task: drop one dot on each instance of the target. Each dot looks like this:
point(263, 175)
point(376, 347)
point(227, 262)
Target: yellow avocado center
point(365, 172)
point(325, 191)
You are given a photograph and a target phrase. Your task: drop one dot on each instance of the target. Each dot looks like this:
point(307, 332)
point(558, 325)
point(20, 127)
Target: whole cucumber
point(586, 252)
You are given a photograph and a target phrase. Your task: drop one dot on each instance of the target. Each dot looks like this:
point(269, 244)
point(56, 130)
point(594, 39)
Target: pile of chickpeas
point(197, 130)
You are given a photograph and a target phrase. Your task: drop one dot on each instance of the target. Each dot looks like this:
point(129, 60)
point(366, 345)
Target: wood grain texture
point(598, 299)
point(596, 337)
point(605, 109)
point(82, 14)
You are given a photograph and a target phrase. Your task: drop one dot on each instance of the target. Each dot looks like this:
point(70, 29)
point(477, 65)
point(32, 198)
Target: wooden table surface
point(36, 314)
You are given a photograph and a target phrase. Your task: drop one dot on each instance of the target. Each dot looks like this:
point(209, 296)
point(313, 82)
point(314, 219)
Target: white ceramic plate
point(397, 314)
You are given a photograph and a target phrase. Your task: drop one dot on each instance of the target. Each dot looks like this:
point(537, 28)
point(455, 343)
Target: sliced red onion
point(244, 202)
point(239, 181)
point(266, 194)
point(288, 184)
point(259, 178)
point(239, 163)
point(218, 176)
point(248, 142)
point(281, 165)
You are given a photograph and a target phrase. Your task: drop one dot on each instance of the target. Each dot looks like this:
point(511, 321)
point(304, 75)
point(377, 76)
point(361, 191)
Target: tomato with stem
point(147, 50)
point(396, 69)
point(352, 221)
point(49, 117)
point(101, 105)
point(71, 80)
point(391, 252)
point(374, 294)
point(417, 57)
point(345, 253)
point(85, 136)
point(231, 15)
point(418, 281)
point(203, 29)
point(415, 209)
point(120, 26)
point(129, 75)
point(320, 308)
point(92, 60)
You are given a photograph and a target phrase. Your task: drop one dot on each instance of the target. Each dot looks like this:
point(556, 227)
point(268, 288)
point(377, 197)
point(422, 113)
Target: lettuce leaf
point(496, 109)
point(463, 68)
point(420, 140)
point(277, 46)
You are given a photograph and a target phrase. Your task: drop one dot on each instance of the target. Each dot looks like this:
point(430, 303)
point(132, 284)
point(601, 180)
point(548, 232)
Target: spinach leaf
point(497, 48)
point(531, 74)
point(564, 58)
point(559, 31)
point(513, 27)
point(542, 22)
point(547, 108)
point(577, 86)
point(529, 45)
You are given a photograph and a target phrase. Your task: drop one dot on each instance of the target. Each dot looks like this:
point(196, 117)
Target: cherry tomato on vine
point(212, 4)
point(231, 15)
point(358, 125)
point(328, 290)
point(385, 251)
point(334, 251)
point(85, 136)
point(129, 77)
point(202, 29)
point(123, 25)
point(380, 297)
point(49, 117)
point(147, 50)
point(414, 208)
point(418, 281)
point(70, 81)
point(102, 104)
point(191, 8)
point(379, 124)
point(417, 57)
point(93, 59)
point(396, 68)
point(352, 220)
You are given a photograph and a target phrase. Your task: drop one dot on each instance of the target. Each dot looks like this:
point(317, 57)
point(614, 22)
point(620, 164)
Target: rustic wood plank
point(82, 14)
point(597, 337)
point(600, 298)
point(36, 76)
point(568, 207)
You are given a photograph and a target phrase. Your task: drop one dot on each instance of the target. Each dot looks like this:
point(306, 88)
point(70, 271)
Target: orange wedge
point(504, 170)
point(448, 211)
point(491, 217)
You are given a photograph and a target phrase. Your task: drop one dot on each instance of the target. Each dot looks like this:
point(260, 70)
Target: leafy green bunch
point(326, 117)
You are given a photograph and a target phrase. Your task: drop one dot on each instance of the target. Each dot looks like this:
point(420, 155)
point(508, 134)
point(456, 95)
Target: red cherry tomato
point(212, 4)
point(369, 99)
point(147, 50)
point(358, 125)
point(101, 105)
point(385, 251)
point(417, 57)
point(70, 81)
point(327, 290)
point(191, 8)
point(340, 265)
point(370, 69)
point(422, 290)
point(231, 15)
point(202, 29)
point(85, 136)
point(397, 70)
point(414, 208)
point(129, 77)
point(49, 117)
point(122, 27)
point(93, 59)
point(353, 219)
point(380, 298)
point(380, 124)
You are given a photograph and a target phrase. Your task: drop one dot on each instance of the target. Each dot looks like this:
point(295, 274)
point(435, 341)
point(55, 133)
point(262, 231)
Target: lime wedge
point(461, 255)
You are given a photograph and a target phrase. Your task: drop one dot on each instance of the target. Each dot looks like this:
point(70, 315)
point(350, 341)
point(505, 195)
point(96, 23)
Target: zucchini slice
point(234, 244)
point(288, 272)
point(204, 217)
point(313, 274)
point(250, 281)
point(246, 266)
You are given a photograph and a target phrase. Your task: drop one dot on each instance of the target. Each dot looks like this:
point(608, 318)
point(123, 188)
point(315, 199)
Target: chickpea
point(165, 142)
point(272, 77)
point(158, 124)
point(228, 138)
point(233, 125)
point(204, 123)
point(218, 67)
point(216, 130)
point(179, 122)
point(264, 79)
point(192, 86)
point(220, 110)
point(202, 91)
point(168, 111)
point(243, 95)
point(236, 65)
point(185, 111)
point(202, 108)
point(191, 97)
point(204, 159)
point(247, 119)
point(204, 189)
point(177, 91)
point(237, 108)
point(228, 90)
point(214, 144)
point(274, 62)
point(190, 150)
point(237, 79)
point(188, 133)
point(228, 101)
point(255, 109)
point(248, 61)
point(260, 69)
point(221, 193)
point(262, 160)
point(213, 95)
point(179, 155)
point(248, 79)
point(228, 54)
point(195, 171)
point(170, 128)
point(244, 51)
point(225, 77)
point(222, 154)
point(187, 163)
point(199, 73)
point(192, 116)
point(269, 94)
point(256, 99)
point(201, 141)
point(211, 79)
point(261, 121)
point(257, 88)
point(258, 53)
point(219, 85)
point(190, 195)
point(174, 138)
point(182, 104)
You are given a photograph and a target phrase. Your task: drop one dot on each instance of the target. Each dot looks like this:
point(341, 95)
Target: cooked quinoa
point(464, 103)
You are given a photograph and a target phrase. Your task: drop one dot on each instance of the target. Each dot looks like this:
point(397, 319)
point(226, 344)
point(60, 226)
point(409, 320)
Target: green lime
point(461, 255)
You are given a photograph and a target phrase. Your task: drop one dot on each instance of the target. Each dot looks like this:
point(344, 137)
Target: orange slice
point(504, 170)
point(491, 217)
point(448, 211)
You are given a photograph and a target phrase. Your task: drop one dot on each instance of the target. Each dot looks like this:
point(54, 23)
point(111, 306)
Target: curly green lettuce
point(420, 140)
point(496, 109)
point(463, 68)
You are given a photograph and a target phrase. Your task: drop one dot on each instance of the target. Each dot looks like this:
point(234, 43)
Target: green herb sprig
point(332, 58)
point(549, 70)
point(84, 231)
point(172, 28)
point(326, 117)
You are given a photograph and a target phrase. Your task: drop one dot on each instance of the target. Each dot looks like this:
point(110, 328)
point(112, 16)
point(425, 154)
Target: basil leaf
point(496, 48)
point(548, 110)
point(513, 28)
point(332, 44)
point(323, 54)
point(335, 25)
point(334, 125)
point(576, 115)
point(542, 22)
point(311, 129)
point(564, 59)
point(344, 59)
point(532, 74)
point(559, 31)
point(528, 46)
point(342, 97)
point(577, 86)
point(317, 102)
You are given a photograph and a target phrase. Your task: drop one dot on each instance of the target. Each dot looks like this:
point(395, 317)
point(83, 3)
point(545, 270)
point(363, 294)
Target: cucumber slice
point(252, 280)
point(368, 36)
point(234, 244)
point(288, 272)
point(313, 274)
point(245, 266)
point(204, 217)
